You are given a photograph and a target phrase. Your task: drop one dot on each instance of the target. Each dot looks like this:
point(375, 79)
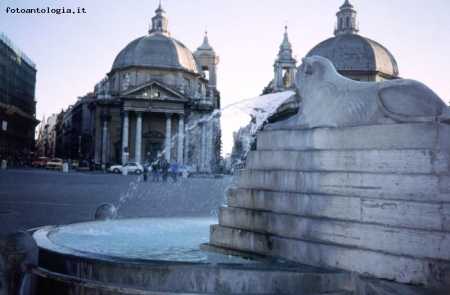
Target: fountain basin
point(163, 257)
point(163, 239)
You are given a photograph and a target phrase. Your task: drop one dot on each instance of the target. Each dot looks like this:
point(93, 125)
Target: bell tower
point(209, 61)
point(346, 20)
point(160, 23)
point(284, 67)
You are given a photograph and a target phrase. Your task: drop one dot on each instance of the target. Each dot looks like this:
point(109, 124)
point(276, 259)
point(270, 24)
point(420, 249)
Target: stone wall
point(374, 200)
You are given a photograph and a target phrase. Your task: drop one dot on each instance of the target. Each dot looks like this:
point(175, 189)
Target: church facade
point(159, 100)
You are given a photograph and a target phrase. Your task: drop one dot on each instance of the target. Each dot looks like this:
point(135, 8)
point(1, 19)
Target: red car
point(40, 162)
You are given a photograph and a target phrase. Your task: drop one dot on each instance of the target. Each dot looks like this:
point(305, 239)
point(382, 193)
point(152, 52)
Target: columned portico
point(138, 146)
point(168, 135)
point(125, 149)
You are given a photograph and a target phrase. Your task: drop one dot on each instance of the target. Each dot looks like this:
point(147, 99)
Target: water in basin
point(169, 239)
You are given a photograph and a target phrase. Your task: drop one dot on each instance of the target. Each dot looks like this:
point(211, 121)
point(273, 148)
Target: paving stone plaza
point(33, 198)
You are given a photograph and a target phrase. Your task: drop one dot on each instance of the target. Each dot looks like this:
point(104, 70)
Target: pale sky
point(73, 52)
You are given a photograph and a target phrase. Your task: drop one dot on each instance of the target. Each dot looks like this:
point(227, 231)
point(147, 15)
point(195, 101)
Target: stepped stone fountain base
point(63, 270)
point(371, 200)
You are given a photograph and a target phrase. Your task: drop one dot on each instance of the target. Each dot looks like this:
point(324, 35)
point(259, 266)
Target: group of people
point(161, 168)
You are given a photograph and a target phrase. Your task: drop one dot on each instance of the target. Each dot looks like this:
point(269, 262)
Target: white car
point(189, 169)
point(130, 166)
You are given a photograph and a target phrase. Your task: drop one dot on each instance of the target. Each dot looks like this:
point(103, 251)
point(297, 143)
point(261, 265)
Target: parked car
point(95, 166)
point(40, 162)
point(189, 169)
point(82, 165)
point(75, 164)
point(131, 167)
point(55, 163)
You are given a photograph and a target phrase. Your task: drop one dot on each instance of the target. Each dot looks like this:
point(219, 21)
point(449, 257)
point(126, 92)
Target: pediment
point(156, 90)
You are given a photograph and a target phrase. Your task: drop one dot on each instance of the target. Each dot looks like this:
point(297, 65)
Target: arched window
point(347, 22)
point(340, 23)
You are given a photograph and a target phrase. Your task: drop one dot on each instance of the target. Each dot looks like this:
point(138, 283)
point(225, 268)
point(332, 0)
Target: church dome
point(157, 50)
point(351, 52)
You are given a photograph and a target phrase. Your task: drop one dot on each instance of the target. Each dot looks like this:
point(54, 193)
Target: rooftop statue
point(331, 100)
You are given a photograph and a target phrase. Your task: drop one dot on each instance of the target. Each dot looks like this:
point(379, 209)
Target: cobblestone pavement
point(31, 198)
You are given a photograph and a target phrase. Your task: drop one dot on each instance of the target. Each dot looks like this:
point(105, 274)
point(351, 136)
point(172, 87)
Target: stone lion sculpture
point(331, 100)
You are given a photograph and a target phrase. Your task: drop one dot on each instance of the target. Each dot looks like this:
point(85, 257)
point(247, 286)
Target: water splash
point(250, 113)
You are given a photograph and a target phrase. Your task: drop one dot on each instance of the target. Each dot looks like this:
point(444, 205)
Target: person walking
point(165, 170)
point(174, 170)
point(155, 168)
point(146, 167)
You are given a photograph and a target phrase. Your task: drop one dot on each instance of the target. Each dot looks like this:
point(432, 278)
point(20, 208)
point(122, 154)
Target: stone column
point(125, 149)
point(180, 138)
point(168, 135)
point(138, 147)
point(278, 83)
point(104, 119)
point(203, 147)
point(186, 142)
point(209, 139)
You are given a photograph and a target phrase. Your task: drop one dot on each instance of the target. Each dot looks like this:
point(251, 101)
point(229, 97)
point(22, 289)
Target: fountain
point(358, 180)
point(165, 239)
point(163, 255)
point(347, 197)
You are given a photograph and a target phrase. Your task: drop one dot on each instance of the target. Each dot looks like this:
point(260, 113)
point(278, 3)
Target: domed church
point(158, 100)
point(356, 57)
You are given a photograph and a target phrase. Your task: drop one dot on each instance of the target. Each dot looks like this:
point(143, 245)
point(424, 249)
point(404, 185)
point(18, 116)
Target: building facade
point(75, 130)
point(45, 144)
point(17, 102)
point(156, 101)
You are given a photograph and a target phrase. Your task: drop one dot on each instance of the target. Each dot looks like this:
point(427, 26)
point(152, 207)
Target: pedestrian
point(174, 170)
point(146, 168)
point(232, 170)
point(165, 170)
point(155, 168)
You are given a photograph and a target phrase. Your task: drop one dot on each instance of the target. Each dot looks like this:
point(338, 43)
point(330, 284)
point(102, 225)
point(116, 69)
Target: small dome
point(157, 50)
point(350, 52)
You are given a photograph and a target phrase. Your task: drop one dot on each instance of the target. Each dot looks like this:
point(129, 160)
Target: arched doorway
point(154, 143)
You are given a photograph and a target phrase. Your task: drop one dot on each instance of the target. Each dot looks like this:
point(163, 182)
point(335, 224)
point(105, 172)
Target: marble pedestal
point(373, 200)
